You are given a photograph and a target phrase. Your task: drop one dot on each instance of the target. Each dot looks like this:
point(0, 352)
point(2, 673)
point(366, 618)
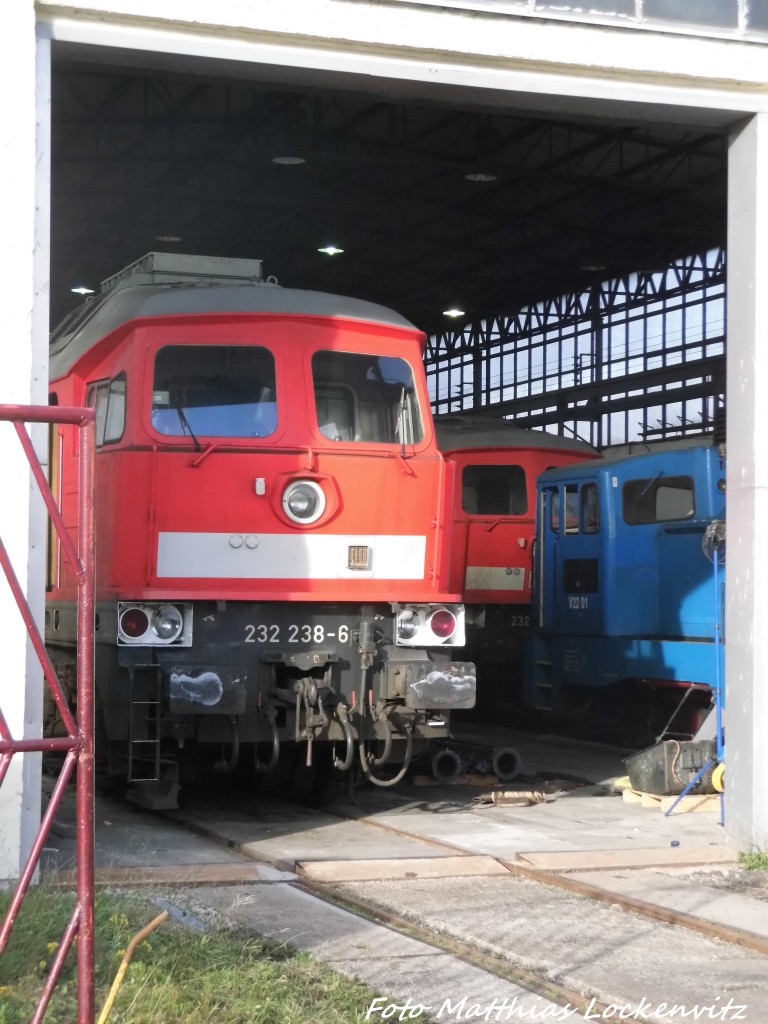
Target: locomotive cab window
point(571, 508)
point(365, 398)
point(214, 391)
point(572, 516)
point(107, 397)
point(494, 491)
point(590, 509)
point(661, 499)
point(554, 511)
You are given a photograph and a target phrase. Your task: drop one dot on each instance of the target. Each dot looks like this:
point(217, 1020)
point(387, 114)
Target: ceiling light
point(480, 176)
point(330, 250)
point(167, 238)
point(453, 312)
point(82, 290)
point(288, 161)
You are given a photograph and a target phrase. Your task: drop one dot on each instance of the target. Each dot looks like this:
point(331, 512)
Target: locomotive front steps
point(160, 794)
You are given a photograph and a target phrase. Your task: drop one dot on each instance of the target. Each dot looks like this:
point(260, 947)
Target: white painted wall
point(432, 46)
point(24, 275)
point(746, 628)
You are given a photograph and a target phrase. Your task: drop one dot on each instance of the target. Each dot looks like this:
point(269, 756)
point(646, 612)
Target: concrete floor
point(437, 857)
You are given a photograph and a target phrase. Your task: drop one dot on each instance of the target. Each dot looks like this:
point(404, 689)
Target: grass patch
point(175, 977)
point(757, 861)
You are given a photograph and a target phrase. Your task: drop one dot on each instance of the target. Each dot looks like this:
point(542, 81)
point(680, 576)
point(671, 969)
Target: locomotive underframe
point(270, 676)
point(633, 690)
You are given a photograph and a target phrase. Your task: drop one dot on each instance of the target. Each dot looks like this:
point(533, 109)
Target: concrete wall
point(539, 60)
point(747, 481)
point(24, 213)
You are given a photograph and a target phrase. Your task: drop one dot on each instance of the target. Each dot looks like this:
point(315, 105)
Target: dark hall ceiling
point(141, 154)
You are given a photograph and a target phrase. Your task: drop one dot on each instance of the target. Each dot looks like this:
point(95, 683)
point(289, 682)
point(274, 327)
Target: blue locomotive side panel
point(627, 604)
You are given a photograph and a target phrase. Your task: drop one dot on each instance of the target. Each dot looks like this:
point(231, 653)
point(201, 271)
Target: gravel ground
point(735, 879)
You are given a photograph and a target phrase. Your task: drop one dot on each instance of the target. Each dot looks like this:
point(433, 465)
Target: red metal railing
point(78, 742)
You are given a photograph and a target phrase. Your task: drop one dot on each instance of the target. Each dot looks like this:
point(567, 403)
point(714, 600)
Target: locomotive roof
point(106, 312)
point(464, 432)
point(648, 462)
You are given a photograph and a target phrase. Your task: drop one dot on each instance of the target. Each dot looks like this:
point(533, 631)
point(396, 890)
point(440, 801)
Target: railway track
point(503, 965)
point(415, 911)
point(756, 943)
point(534, 983)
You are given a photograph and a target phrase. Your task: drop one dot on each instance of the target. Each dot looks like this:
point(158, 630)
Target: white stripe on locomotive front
point(287, 557)
point(494, 577)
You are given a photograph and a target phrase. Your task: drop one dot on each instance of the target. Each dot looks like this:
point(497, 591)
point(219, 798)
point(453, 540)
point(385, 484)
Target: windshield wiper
point(404, 426)
point(186, 428)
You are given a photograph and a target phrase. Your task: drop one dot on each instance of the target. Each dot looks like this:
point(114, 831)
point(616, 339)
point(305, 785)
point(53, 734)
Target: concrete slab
point(730, 910)
point(405, 868)
point(402, 970)
point(593, 948)
point(572, 823)
point(593, 860)
point(285, 834)
point(129, 838)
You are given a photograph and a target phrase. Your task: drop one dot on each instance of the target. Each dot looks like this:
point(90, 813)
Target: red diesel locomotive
point(271, 520)
point(493, 526)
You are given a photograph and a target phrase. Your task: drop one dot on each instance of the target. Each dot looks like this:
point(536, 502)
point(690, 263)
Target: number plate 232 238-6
point(295, 633)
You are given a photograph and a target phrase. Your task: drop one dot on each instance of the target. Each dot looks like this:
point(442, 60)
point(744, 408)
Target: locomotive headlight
point(304, 502)
point(408, 623)
point(429, 625)
point(167, 622)
point(152, 624)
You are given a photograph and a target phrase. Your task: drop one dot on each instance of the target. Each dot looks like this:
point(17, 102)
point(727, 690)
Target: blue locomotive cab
point(627, 607)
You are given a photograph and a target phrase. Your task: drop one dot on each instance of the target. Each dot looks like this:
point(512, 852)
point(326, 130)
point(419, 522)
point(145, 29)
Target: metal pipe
point(446, 765)
point(79, 740)
point(384, 756)
point(27, 874)
point(270, 765)
point(506, 763)
point(234, 757)
point(346, 764)
point(406, 763)
point(86, 716)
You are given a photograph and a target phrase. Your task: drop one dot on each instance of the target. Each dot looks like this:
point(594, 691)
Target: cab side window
point(494, 491)
point(661, 499)
point(571, 508)
point(582, 509)
point(107, 397)
point(554, 511)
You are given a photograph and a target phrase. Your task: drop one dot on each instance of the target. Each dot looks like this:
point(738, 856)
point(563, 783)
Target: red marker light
point(443, 623)
point(134, 622)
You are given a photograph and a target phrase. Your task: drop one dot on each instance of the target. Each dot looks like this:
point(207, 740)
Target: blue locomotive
point(627, 600)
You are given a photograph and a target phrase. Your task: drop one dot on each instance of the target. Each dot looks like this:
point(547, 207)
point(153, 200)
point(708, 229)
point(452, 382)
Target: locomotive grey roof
point(140, 295)
point(646, 461)
point(463, 432)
